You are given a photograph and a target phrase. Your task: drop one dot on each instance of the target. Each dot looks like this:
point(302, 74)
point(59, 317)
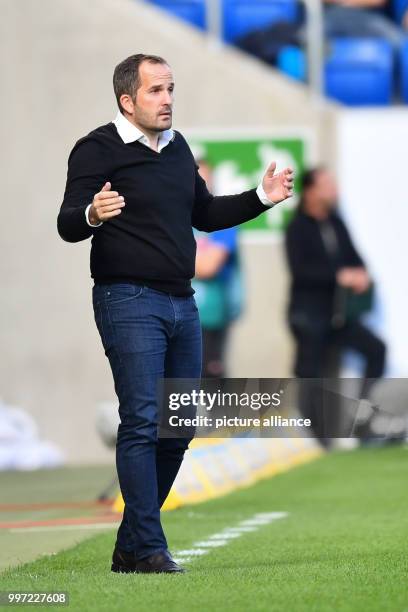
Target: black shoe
point(123, 562)
point(161, 562)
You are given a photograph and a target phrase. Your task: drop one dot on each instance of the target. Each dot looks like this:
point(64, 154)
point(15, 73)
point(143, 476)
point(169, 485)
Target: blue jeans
point(147, 335)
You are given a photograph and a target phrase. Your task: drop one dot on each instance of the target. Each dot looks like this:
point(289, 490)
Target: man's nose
point(168, 98)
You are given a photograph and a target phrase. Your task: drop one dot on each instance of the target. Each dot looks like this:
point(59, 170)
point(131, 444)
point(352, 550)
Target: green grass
point(74, 484)
point(343, 547)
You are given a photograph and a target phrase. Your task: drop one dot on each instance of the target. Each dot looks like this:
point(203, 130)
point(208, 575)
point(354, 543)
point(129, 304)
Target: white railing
point(314, 44)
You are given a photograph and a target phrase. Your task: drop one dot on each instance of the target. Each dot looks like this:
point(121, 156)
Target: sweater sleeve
point(351, 256)
point(87, 173)
point(212, 213)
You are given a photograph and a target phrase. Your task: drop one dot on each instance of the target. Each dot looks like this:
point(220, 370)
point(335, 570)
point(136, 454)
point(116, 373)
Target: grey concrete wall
point(57, 59)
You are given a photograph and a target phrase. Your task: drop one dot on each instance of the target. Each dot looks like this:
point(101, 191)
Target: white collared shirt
point(130, 133)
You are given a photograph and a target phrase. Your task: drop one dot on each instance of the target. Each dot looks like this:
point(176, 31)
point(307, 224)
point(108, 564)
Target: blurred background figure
point(218, 287)
point(363, 18)
point(330, 291)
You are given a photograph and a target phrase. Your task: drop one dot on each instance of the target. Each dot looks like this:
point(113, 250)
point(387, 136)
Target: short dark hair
point(308, 179)
point(126, 78)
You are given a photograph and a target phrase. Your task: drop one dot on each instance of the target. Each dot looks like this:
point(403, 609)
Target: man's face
point(154, 99)
point(325, 189)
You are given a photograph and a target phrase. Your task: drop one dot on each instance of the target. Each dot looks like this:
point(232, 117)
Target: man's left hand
point(278, 186)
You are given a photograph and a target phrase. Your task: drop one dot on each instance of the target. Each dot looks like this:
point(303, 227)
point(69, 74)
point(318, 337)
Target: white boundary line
point(224, 537)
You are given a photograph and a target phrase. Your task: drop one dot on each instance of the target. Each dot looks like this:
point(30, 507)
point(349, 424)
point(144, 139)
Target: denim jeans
point(147, 335)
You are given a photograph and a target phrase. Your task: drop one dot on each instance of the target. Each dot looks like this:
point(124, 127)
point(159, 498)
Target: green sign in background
point(247, 160)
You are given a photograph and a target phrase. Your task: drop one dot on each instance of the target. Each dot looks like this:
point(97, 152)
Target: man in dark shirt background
point(134, 187)
point(363, 18)
point(326, 270)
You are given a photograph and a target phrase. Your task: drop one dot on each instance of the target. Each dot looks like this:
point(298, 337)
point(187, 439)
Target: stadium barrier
point(215, 467)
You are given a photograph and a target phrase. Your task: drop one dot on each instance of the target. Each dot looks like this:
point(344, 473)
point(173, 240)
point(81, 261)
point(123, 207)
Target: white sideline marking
point(216, 540)
point(258, 521)
point(271, 515)
point(224, 536)
point(194, 551)
point(243, 529)
point(212, 543)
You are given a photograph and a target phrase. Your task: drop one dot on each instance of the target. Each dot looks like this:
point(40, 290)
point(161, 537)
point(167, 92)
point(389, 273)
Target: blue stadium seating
point(404, 71)
point(242, 16)
point(192, 11)
point(398, 8)
point(359, 71)
point(292, 61)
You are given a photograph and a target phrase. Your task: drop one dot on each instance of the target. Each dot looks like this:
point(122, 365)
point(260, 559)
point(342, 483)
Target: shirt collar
point(130, 133)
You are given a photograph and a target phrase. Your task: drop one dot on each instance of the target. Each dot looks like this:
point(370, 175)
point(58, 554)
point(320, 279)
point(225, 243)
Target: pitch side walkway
point(44, 511)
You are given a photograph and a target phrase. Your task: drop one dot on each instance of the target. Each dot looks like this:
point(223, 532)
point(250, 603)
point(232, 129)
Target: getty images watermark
point(218, 400)
point(268, 407)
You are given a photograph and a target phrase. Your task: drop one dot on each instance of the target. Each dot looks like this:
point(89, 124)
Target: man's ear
point(127, 103)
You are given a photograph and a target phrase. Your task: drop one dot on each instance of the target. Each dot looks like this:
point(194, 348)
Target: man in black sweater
point(134, 187)
point(325, 268)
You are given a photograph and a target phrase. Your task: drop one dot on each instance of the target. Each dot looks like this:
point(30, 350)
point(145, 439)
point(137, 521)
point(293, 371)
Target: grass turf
point(73, 484)
point(343, 547)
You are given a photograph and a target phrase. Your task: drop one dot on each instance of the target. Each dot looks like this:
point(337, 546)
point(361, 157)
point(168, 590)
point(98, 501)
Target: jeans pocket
point(121, 293)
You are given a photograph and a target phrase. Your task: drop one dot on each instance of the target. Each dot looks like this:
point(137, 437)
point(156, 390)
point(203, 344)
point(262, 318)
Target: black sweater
point(313, 265)
point(151, 242)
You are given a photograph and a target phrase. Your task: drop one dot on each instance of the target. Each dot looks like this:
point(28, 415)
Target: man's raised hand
point(279, 186)
point(106, 204)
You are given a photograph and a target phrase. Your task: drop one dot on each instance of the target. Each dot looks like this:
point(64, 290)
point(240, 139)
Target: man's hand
point(278, 186)
point(106, 204)
point(356, 279)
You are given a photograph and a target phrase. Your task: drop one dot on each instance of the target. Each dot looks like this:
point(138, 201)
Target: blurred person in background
point(371, 18)
point(218, 288)
point(330, 290)
point(133, 186)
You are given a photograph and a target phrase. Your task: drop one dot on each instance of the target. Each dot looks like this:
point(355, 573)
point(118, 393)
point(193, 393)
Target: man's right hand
point(105, 205)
